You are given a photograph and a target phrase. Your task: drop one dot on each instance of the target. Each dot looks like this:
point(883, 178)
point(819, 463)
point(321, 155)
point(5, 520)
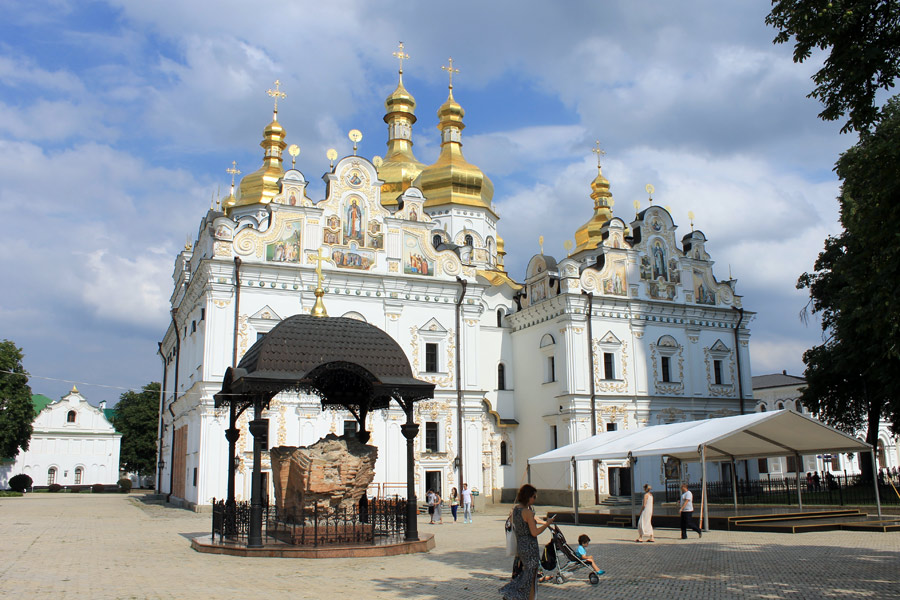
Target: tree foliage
point(863, 37)
point(16, 408)
point(851, 377)
point(136, 417)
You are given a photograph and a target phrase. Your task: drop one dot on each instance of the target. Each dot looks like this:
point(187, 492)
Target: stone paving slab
point(114, 546)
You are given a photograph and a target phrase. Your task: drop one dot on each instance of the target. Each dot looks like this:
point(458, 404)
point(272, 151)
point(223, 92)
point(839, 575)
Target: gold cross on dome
point(319, 258)
point(277, 93)
point(450, 70)
point(598, 151)
point(401, 56)
point(233, 170)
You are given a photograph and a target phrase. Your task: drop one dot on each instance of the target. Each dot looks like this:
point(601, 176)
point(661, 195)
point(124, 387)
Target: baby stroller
point(559, 559)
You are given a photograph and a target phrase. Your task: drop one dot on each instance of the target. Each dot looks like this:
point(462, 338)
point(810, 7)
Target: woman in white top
point(645, 527)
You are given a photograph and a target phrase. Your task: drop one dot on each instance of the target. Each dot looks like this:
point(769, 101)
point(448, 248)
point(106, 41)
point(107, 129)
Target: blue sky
point(118, 119)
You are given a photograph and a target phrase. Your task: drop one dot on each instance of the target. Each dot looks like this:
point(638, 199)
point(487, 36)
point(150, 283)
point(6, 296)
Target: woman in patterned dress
point(524, 585)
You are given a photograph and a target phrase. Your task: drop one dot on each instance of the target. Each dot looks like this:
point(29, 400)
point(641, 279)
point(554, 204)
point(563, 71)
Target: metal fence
point(833, 490)
point(360, 524)
point(233, 520)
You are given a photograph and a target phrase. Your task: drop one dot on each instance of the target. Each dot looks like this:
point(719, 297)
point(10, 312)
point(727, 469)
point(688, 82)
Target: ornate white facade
point(73, 443)
point(669, 342)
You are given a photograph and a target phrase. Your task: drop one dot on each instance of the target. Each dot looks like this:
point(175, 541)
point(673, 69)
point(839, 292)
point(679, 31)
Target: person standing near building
point(645, 527)
point(454, 502)
point(429, 498)
point(437, 509)
point(686, 510)
point(467, 503)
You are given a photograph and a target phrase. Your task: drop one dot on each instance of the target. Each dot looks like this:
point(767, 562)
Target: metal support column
point(575, 488)
point(409, 431)
point(875, 482)
point(799, 495)
point(704, 508)
point(734, 484)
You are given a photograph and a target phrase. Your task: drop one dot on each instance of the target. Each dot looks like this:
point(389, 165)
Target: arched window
point(762, 408)
point(70, 416)
point(501, 376)
point(798, 405)
point(499, 317)
point(780, 406)
point(436, 240)
point(504, 456)
point(51, 475)
point(469, 241)
point(79, 475)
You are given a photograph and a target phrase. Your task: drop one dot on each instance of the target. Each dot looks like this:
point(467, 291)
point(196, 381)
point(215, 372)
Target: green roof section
point(109, 413)
point(40, 402)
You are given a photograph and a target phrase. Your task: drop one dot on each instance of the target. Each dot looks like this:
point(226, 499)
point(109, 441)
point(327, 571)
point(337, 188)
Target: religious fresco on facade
point(537, 292)
point(660, 272)
point(293, 198)
point(375, 237)
point(353, 258)
point(674, 273)
point(615, 284)
point(414, 260)
point(661, 291)
point(354, 221)
point(702, 294)
point(287, 248)
point(658, 262)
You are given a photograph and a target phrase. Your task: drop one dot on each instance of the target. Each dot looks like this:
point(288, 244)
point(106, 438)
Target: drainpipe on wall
point(459, 415)
point(590, 328)
point(162, 405)
point(232, 434)
point(740, 374)
point(174, 397)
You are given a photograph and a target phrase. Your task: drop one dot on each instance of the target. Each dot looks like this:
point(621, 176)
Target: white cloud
point(127, 289)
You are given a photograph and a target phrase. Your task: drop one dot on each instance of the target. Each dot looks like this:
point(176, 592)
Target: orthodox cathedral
point(631, 329)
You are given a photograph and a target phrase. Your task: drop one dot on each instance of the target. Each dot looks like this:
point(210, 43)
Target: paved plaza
point(115, 546)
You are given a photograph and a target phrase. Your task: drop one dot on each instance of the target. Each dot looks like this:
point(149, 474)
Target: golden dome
point(261, 186)
point(400, 167)
point(501, 252)
point(588, 236)
point(452, 179)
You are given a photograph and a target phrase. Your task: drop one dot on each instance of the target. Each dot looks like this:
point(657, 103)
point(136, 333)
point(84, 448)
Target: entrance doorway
point(433, 482)
point(620, 481)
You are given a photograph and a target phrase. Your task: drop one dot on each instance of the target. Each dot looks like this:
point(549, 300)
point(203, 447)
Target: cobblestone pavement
point(115, 546)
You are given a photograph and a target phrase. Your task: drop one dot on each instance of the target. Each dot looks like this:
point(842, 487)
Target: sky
point(118, 120)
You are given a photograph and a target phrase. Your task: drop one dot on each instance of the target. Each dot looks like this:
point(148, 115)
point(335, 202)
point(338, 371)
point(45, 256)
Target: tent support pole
point(704, 511)
point(799, 496)
point(734, 484)
point(528, 473)
point(575, 488)
point(875, 482)
point(631, 490)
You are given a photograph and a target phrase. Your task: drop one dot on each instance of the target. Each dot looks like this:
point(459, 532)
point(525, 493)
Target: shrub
point(20, 483)
point(98, 488)
point(10, 494)
point(54, 487)
point(124, 485)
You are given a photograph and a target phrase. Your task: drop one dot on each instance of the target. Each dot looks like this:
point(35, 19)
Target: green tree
point(136, 417)
point(851, 381)
point(863, 41)
point(16, 408)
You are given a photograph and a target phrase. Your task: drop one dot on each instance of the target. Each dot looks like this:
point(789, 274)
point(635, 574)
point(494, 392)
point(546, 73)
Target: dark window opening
point(504, 457)
point(350, 427)
point(70, 416)
point(666, 372)
point(612, 426)
point(195, 476)
point(431, 358)
point(763, 465)
point(554, 442)
point(717, 371)
point(51, 476)
point(470, 241)
point(436, 241)
point(431, 436)
point(202, 314)
point(551, 369)
point(499, 317)
point(501, 376)
point(609, 371)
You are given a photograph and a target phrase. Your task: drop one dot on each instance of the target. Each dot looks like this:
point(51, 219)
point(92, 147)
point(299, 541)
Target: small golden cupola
point(452, 179)
point(261, 186)
point(588, 236)
point(400, 167)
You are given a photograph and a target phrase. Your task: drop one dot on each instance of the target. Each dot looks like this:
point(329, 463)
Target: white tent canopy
point(756, 435)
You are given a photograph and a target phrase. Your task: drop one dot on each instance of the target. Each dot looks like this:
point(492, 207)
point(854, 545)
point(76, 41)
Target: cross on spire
point(233, 170)
point(450, 70)
point(401, 56)
point(598, 151)
point(276, 93)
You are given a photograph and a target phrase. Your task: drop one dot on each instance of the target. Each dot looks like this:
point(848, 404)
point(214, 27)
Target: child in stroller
point(559, 558)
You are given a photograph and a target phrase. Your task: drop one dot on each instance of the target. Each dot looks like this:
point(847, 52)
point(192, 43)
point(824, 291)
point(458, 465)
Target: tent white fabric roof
point(754, 435)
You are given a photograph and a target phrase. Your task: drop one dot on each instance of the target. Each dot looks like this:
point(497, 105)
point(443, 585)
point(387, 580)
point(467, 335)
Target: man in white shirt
point(467, 503)
point(687, 510)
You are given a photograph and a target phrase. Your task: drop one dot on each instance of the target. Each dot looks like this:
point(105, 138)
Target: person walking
point(523, 585)
point(437, 509)
point(467, 503)
point(454, 502)
point(686, 509)
point(645, 526)
point(429, 498)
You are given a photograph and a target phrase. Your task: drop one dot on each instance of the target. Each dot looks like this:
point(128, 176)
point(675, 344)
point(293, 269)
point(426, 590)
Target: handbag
point(512, 548)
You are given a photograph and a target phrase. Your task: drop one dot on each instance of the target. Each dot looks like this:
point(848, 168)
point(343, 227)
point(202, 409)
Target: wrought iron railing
point(232, 521)
point(836, 490)
point(360, 524)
